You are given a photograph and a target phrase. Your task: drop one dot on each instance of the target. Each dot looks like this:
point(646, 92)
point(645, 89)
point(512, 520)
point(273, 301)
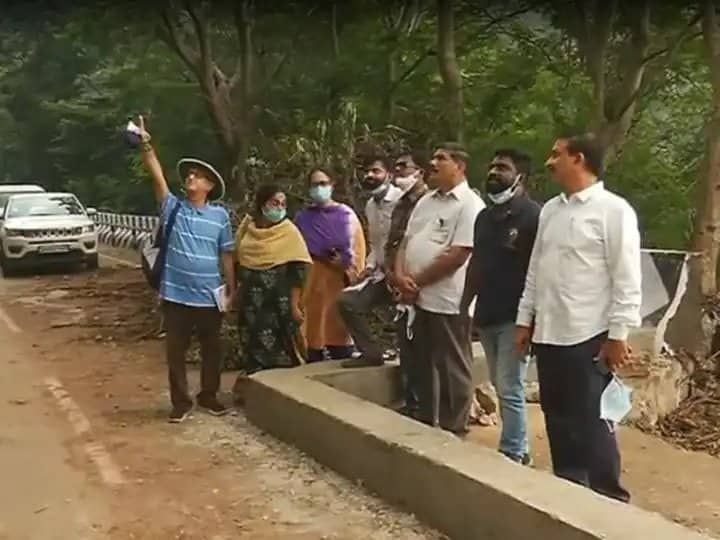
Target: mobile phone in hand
point(132, 135)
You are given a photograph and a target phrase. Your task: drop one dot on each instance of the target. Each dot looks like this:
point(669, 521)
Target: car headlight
point(88, 229)
point(13, 232)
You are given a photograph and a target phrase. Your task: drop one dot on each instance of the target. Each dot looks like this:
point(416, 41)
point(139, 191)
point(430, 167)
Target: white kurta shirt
point(379, 214)
point(584, 277)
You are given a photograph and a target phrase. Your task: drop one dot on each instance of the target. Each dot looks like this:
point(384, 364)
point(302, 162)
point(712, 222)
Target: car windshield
point(44, 205)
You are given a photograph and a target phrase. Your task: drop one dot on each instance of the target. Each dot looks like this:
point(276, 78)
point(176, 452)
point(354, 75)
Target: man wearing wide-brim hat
point(200, 243)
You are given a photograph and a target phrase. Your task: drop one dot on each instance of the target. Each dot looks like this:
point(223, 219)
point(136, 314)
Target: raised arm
point(152, 164)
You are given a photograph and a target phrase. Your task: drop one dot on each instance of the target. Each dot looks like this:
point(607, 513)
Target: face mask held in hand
point(274, 215)
point(321, 194)
point(615, 402)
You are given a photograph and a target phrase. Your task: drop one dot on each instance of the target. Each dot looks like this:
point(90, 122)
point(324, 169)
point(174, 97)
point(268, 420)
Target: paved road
point(42, 496)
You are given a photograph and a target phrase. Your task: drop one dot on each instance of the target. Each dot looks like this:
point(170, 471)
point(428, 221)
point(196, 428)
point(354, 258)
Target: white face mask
point(406, 183)
point(506, 194)
point(615, 402)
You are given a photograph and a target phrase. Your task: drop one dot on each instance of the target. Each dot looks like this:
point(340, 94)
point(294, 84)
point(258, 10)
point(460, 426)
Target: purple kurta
point(327, 228)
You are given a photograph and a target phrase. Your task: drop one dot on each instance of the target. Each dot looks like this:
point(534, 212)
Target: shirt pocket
point(440, 229)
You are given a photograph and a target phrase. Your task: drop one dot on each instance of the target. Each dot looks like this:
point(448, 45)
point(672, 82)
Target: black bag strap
point(171, 223)
point(162, 251)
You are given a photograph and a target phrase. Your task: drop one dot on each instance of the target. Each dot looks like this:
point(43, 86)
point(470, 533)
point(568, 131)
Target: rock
point(532, 392)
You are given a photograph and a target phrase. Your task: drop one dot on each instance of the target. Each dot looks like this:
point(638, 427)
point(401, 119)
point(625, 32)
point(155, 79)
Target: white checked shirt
point(584, 276)
point(379, 214)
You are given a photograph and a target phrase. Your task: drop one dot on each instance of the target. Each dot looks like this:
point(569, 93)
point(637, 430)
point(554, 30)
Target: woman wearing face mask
point(273, 260)
point(336, 243)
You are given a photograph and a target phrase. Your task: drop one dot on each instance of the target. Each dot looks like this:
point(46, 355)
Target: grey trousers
point(354, 305)
point(444, 356)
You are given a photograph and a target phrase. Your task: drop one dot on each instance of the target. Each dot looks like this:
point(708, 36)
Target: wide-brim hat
point(217, 192)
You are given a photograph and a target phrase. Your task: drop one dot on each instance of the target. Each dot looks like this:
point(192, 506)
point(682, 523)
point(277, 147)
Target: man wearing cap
point(200, 243)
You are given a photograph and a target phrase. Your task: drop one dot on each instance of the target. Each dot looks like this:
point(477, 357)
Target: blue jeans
point(508, 370)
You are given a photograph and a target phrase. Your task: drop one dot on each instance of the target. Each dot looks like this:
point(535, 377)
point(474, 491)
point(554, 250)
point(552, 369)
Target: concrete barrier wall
point(464, 490)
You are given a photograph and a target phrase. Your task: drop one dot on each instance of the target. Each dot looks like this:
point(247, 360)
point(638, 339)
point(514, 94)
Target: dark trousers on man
point(354, 305)
point(582, 445)
point(443, 353)
point(408, 365)
point(180, 323)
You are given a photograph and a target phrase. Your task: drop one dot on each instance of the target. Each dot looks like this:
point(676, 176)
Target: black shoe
point(179, 414)
point(362, 361)
point(410, 412)
point(212, 406)
point(525, 459)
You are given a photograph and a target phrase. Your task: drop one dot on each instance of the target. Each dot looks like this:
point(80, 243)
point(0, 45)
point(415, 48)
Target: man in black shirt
point(504, 236)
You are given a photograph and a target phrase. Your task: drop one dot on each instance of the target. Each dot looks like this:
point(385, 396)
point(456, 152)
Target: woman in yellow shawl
point(273, 261)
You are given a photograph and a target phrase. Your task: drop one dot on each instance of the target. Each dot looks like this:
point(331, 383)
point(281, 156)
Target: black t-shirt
point(503, 241)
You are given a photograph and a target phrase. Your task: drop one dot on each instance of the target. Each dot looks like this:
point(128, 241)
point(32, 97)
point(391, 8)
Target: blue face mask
point(615, 402)
point(273, 214)
point(321, 194)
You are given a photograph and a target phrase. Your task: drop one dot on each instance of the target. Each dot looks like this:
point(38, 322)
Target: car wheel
point(8, 268)
point(93, 262)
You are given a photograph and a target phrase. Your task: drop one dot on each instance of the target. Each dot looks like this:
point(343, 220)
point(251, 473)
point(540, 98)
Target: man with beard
point(430, 273)
point(356, 302)
point(504, 236)
point(582, 296)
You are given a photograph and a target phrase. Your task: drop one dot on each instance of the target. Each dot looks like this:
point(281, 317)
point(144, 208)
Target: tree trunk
point(707, 226)
point(687, 331)
point(450, 71)
point(613, 108)
point(390, 107)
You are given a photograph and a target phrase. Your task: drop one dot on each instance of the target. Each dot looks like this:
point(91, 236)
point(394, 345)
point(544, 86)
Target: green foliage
point(70, 80)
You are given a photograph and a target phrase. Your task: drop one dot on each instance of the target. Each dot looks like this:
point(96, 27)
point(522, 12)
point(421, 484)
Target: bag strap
point(171, 223)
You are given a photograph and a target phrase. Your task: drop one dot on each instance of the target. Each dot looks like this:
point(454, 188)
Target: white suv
point(42, 228)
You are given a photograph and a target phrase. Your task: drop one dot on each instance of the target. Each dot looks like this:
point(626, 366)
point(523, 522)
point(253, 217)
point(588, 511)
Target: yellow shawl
point(259, 248)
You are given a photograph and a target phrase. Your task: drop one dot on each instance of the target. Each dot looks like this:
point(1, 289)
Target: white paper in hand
point(220, 295)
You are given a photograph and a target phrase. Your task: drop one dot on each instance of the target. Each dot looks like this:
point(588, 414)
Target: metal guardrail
point(130, 231)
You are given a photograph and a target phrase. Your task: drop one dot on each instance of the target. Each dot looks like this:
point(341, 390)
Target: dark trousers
point(180, 323)
point(443, 352)
point(354, 307)
point(408, 365)
point(583, 447)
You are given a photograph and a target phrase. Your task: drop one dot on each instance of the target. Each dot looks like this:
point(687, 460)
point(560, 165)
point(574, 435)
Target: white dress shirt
point(379, 214)
point(584, 276)
point(438, 222)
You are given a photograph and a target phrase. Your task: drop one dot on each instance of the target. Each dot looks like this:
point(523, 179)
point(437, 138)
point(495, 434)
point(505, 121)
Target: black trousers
point(583, 447)
point(180, 321)
point(444, 378)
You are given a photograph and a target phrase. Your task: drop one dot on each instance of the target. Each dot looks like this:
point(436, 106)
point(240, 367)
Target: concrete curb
point(465, 491)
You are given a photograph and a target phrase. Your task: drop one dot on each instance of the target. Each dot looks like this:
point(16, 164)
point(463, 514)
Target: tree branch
point(413, 67)
point(168, 34)
point(646, 88)
point(203, 39)
point(683, 36)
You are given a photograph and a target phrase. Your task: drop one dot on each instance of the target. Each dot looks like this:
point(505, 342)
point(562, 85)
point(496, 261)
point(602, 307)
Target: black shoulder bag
point(153, 257)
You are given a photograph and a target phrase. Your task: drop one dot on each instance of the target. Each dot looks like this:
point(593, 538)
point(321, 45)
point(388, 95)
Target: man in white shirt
point(355, 303)
point(430, 272)
point(582, 296)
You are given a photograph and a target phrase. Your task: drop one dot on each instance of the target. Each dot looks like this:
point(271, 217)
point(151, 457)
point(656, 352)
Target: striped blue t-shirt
point(198, 238)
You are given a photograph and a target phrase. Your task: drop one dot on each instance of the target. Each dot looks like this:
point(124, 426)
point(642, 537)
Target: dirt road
point(86, 452)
